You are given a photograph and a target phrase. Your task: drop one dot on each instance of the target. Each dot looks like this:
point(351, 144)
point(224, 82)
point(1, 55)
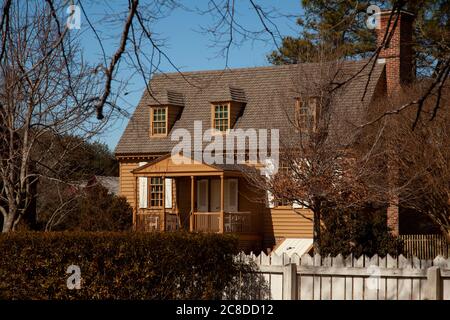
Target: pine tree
point(341, 26)
point(329, 25)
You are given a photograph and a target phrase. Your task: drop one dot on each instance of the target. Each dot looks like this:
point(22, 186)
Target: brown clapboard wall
point(284, 222)
point(126, 179)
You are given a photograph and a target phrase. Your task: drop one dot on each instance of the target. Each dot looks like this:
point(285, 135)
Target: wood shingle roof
point(268, 92)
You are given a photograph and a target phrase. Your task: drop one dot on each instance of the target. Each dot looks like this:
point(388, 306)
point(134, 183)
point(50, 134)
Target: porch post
point(191, 217)
point(221, 220)
point(163, 224)
point(135, 209)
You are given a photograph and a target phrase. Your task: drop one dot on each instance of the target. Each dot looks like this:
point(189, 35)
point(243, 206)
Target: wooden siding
point(235, 111)
point(284, 222)
point(126, 179)
point(173, 113)
point(249, 200)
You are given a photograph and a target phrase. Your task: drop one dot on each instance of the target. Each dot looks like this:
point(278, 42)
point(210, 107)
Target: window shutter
point(269, 169)
point(143, 189)
point(168, 193)
point(202, 195)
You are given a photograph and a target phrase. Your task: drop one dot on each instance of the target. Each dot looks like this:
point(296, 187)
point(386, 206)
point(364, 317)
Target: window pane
point(221, 117)
point(306, 114)
point(159, 121)
point(156, 192)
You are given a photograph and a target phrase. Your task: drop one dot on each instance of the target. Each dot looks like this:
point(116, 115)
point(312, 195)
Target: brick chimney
point(397, 52)
point(398, 56)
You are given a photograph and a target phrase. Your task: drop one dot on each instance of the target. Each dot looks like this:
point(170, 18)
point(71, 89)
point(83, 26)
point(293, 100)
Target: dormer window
point(227, 106)
point(221, 117)
point(307, 114)
point(165, 109)
point(159, 121)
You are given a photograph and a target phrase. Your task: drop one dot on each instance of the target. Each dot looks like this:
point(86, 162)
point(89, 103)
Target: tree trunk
point(8, 223)
point(446, 234)
point(317, 233)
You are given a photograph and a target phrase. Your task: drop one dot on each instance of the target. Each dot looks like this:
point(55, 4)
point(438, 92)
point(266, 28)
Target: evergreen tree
point(341, 26)
point(329, 25)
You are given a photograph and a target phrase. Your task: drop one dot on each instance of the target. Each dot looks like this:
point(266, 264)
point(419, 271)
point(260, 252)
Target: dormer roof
point(167, 97)
point(229, 94)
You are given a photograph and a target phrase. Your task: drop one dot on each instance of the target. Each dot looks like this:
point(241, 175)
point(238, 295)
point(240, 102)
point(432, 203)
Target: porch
point(196, 197)
point(234, 222)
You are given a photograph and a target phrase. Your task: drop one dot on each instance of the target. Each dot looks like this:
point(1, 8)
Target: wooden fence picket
point(382, 294)
point(351, 278)
point(306, 286)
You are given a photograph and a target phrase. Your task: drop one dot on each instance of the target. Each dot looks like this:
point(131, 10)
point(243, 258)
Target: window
point(221, 117)
point(283, 172)
point(159, 124)
point(156, 192)
point(306, 114)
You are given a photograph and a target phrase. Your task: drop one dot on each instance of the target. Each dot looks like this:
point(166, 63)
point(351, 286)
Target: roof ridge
point(262, 68)
point(214, 71)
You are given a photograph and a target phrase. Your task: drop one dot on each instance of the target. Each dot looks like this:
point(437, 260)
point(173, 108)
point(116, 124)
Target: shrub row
point(117, 265)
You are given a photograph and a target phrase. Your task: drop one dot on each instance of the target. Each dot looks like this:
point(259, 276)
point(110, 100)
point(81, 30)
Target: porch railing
point(234, 222)
point(148, 221)
point(206, 221)
point(239, 222)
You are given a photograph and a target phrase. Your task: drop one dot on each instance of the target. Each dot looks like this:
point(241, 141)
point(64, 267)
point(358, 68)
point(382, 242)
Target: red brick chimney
point(398, 56)
point(397, 52)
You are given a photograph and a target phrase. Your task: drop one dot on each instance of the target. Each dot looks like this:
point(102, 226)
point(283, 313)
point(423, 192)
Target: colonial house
point(171, 192)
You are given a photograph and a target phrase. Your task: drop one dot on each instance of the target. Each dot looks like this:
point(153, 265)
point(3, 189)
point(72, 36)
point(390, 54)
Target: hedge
point(117, 265)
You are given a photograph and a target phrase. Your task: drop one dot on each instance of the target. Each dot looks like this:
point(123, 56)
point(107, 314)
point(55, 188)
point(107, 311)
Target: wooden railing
point(425, 246)
point(234, 222)
point(154, 220)
point(206, 221)
point(239, 222)
point(148, 222)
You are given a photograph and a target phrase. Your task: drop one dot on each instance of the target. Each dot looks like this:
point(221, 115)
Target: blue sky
point(184, 43)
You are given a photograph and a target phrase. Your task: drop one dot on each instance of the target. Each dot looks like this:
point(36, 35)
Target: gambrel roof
point(268, 94)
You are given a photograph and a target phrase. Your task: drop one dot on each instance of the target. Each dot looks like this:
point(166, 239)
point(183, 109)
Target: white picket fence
point(349, 278)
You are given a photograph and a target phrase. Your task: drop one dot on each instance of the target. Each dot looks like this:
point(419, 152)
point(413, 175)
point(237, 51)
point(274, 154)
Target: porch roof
point(178, 165)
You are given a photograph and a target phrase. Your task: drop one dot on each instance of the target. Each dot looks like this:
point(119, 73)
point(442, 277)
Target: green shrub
point(117, 265)
point(358, 231)
point(91, 209)
point(99, 210)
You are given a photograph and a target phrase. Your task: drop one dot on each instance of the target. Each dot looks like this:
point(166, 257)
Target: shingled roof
point(268, 92)
point(169, 97)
